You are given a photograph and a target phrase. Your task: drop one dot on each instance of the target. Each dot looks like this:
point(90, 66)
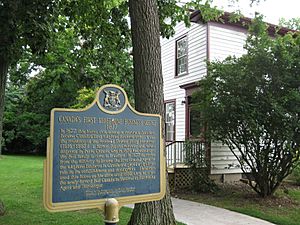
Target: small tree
point(252, 104)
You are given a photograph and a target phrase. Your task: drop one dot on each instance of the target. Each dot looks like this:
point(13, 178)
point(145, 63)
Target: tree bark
point(3, 77)
point(148, 87)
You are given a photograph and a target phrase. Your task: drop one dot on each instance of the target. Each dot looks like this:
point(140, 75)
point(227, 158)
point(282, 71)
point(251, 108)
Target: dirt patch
point(240, 194)
point(275, 201)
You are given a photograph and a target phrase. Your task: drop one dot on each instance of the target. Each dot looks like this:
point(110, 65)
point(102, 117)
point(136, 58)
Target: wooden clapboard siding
point(222, 160)
point(210, 41)
point(224, 41)
point(197, 47)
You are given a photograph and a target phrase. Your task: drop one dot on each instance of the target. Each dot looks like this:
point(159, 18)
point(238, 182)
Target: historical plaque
point(107, 150)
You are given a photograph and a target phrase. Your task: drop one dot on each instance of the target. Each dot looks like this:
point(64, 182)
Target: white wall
point(224, 40)
point(222, 160)
point(197, 47)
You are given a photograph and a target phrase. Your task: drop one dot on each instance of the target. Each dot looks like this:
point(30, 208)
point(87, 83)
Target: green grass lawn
point(282, 209)
point(21, 189)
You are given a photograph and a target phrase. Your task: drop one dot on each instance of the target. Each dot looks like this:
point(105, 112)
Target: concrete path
point(193, 213)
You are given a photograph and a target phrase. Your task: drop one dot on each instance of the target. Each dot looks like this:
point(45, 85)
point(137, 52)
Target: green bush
point(202, 183)
point(196, 159)
point(252, 105)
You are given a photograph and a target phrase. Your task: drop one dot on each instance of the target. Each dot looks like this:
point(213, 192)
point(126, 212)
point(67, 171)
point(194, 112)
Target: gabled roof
point(243, 22)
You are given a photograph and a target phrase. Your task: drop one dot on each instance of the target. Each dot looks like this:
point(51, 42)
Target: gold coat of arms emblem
point(112, 100)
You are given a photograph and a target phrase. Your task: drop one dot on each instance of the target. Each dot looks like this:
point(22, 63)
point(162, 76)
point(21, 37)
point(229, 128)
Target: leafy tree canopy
point(24, 24)
point(293, 23)
point(85, 44)
point(75, 58)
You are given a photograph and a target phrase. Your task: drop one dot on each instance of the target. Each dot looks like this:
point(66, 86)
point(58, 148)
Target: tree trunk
point(148, 87)
point(3, 77)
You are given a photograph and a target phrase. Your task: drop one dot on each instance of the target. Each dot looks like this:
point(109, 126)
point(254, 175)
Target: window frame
point(173, 101)
point(184, 37)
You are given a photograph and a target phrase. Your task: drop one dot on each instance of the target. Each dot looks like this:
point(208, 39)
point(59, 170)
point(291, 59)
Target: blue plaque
point(107, 150)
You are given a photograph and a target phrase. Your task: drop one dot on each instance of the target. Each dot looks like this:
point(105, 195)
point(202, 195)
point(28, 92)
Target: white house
point(184, 59)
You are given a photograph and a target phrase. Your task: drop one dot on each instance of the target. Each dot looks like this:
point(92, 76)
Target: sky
point(273, 10)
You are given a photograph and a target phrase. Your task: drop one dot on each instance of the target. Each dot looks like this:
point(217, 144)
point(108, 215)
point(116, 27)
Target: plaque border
point(97, 203)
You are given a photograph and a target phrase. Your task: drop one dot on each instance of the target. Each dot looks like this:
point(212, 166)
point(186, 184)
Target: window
point(170, 121)
point(181, 56)
point(196, 125)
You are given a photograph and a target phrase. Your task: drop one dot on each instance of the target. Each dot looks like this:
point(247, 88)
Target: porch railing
point(182, 153)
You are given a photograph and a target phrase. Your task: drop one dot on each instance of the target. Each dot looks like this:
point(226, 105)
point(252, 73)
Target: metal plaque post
point(111, 212)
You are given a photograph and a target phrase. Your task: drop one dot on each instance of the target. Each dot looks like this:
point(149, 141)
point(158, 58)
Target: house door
point(194, 125)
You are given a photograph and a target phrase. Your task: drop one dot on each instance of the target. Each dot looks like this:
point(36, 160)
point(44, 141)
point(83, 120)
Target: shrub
point(195, 152)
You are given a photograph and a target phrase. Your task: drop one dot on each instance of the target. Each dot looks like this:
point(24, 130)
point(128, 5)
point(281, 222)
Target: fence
point(183, 153)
